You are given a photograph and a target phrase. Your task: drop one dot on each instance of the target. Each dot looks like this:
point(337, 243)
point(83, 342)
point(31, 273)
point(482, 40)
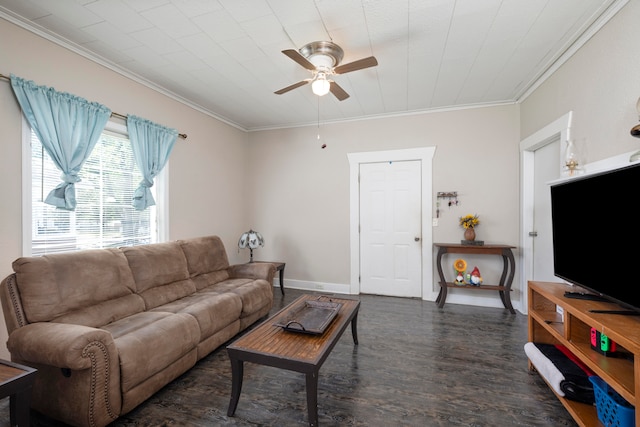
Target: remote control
point(582, 295)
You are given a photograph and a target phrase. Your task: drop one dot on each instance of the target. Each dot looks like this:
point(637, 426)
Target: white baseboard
point(489, 300)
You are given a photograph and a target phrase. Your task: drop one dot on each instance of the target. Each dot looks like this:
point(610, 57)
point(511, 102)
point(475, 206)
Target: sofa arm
point(78, 380)
point(254, 270)
point(61, 345)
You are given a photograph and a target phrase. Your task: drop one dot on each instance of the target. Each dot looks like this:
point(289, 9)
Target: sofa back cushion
point(206, 259)
point(160, 272)
point(205, 254)
point(57, 285)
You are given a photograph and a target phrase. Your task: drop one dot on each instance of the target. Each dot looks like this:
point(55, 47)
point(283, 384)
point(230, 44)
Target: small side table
point(16, 381)
point(279, 267)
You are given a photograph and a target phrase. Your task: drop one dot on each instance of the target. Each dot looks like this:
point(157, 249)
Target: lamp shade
point(250, 239)
point(320, 85)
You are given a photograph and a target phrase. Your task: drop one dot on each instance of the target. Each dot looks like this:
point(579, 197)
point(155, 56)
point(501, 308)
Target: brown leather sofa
point(108, 328)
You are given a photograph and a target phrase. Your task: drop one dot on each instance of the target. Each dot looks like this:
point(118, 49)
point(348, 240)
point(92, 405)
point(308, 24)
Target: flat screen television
point(594, 243)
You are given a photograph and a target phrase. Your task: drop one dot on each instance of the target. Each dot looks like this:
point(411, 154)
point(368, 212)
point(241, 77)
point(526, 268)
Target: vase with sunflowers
point(469, 223)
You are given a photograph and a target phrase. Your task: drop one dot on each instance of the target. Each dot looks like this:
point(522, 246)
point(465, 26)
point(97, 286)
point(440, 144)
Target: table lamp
point(251, 239)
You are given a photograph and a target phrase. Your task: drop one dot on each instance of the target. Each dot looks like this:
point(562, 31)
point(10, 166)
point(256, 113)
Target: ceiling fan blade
point(338, 92)
point(296, 56)
point(292, 87)
point(356, 65)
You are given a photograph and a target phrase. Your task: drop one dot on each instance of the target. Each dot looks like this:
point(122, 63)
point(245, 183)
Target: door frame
point(425, 156)
point(559, 129)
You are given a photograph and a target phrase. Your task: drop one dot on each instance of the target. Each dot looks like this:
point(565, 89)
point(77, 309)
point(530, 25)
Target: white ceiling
point(224, 56)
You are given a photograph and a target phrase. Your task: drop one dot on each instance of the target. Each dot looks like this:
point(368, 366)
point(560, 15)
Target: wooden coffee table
point(274, 346)
point(16, 381)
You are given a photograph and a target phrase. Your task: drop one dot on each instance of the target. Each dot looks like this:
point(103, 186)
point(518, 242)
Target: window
point(104, 216)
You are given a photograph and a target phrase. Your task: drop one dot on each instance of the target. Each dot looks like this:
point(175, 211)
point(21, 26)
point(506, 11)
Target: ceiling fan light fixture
point(320, 86)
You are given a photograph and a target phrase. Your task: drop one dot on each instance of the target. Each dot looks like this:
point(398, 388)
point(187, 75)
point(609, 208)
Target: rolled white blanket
point(544, 366)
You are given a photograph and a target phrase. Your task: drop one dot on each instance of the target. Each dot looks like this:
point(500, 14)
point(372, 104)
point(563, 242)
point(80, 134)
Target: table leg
point(506, 300)
point(442, 295)
point(312, 398)
point(354, 328)
point(509, 264)
point(19, 408)
point(282, 280)
point(237, 369)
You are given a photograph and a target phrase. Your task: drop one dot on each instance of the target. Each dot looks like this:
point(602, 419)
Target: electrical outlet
point(435, 222)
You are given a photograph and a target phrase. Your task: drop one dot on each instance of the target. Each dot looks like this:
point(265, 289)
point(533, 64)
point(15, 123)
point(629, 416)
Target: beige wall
point(601, 84)
point(205, 182)
point(300, 192)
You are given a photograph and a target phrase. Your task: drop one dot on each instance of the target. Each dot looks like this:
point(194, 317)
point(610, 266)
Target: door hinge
point(533, 234)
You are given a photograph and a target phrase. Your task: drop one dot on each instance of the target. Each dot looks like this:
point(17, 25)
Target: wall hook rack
point(452, 197)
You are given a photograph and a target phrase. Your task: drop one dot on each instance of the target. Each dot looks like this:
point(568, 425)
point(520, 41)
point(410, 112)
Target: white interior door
point(546, 168)
point(541, 154)
point(390, 229)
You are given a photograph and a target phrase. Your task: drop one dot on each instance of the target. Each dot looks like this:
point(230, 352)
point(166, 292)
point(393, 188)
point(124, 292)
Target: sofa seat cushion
point(54, 285)
point(149, 342)
point(205, 280)
point(254, 293)
point(160, 295)
point(213, 312)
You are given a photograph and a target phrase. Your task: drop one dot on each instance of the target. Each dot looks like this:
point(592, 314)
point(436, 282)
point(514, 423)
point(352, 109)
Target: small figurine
point(459, 266)
point(476, 278)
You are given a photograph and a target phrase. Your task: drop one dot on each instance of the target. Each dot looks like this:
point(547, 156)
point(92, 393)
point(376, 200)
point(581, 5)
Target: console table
point(508, 271)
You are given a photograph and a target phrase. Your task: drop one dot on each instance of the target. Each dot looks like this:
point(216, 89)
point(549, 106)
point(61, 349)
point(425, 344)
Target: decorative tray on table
point(311, 317)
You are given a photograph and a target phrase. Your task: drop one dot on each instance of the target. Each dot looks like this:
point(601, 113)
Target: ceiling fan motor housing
point(323, 55)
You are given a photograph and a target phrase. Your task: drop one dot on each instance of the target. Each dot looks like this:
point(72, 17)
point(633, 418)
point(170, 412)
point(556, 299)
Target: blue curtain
point(151, 144)
point(68, 128)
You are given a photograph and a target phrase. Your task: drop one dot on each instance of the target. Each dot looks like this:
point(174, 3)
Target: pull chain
point(323, 146)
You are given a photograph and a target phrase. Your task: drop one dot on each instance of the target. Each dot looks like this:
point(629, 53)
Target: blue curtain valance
point(151, 143)
point(68, 128)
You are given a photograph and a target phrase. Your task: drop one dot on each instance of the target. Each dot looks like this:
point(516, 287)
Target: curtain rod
point(113, 113)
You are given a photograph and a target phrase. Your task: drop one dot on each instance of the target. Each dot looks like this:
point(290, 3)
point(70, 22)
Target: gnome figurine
point(476, 278)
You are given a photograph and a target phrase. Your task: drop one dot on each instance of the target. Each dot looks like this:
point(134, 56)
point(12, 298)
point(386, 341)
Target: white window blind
point(104, 216)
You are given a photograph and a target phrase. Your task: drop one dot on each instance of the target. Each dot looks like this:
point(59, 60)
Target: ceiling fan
point(323, 60)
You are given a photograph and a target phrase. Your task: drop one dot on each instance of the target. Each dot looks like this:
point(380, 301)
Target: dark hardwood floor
point(416, 365)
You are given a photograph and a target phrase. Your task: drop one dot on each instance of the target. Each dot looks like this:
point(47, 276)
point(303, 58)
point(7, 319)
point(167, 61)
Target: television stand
point(571, 327)
point(621, 312)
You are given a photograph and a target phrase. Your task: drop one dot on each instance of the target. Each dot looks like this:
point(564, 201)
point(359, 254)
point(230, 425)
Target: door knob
point(417, 239)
